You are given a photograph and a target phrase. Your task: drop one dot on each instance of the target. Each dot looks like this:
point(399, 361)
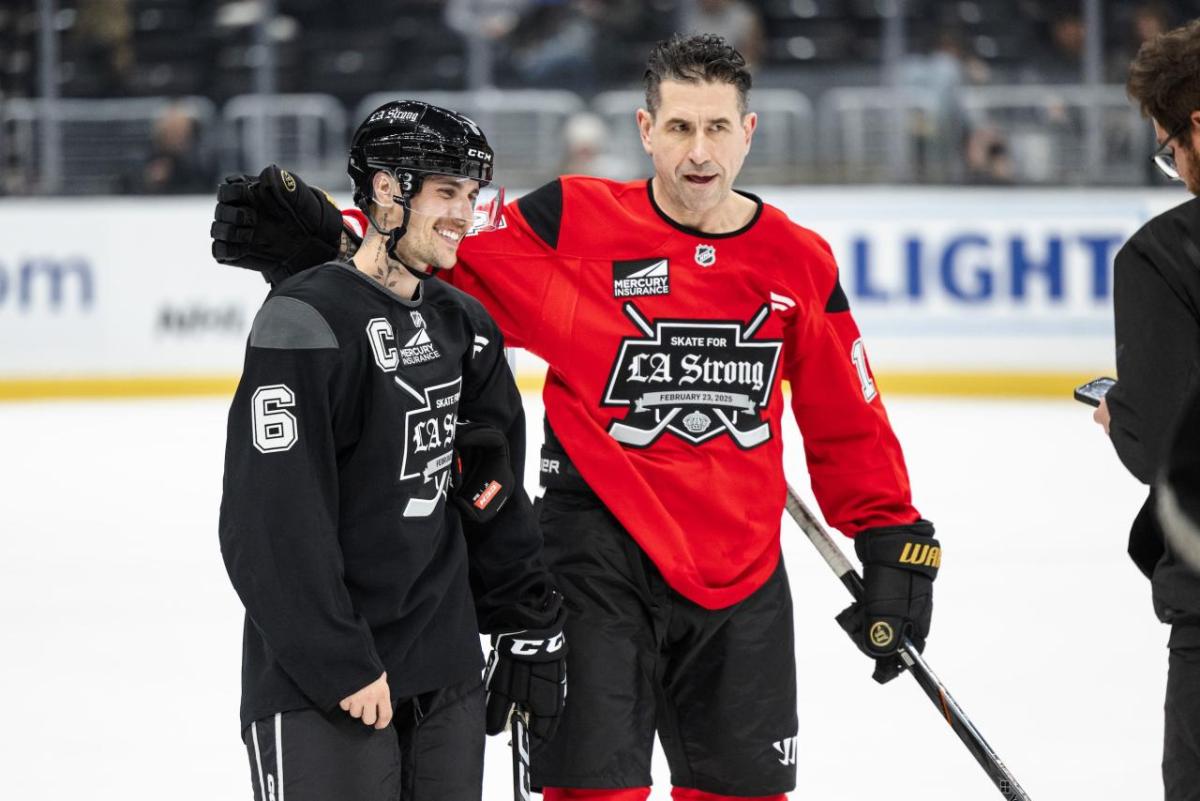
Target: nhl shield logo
point(706, 255)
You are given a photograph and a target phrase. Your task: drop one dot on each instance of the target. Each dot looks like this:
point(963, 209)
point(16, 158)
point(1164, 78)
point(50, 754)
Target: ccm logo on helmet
point(534, 647)
point(482, 155)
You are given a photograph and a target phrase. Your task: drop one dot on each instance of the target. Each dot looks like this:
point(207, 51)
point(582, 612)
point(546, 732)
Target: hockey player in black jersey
point(373, 520)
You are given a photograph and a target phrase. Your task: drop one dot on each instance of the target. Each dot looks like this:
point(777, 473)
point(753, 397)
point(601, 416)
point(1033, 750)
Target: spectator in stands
point(989, 160)
point(940, 132)
point(103, 32)
point(553, 45)
point(1138, 26)
point(1149, 20)
point(176, 164)
point(736, 21)
point(586, 136)
point(1060, 59)
point(493, 20)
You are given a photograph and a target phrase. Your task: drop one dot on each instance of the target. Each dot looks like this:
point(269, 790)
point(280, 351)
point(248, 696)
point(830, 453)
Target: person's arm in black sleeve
point(279, 510)
point(1157, 350)
point(512, 586)
point(515, 598)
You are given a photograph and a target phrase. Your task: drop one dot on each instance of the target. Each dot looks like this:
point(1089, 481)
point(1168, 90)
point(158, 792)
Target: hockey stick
point(520, 755)
point(930, 683)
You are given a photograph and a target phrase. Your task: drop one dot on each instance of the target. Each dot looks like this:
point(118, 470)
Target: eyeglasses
point(1164, 157)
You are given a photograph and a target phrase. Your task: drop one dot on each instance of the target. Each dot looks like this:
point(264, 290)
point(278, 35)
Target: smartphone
point(1094, 391)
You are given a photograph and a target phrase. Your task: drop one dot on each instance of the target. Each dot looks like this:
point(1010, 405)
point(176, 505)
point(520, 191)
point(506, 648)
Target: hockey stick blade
point(987, 758)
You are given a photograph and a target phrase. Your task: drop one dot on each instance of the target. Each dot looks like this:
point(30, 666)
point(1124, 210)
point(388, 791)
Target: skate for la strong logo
point(698, 379)
point(429, 443)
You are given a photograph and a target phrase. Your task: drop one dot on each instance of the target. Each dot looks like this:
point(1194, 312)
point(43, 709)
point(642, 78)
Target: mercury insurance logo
point(419, 348)
point(698, 379)
point(641, 277)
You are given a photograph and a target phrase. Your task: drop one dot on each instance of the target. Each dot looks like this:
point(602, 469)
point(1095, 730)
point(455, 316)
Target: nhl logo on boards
point(641, 277)
point(706, 255)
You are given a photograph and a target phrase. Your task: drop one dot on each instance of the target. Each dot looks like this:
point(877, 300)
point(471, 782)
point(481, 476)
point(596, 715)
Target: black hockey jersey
point(336, 527)
point(1156, 305)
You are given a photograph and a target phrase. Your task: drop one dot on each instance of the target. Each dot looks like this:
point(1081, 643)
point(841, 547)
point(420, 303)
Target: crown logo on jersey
point(697, 422)
point(706, 255)
point(697, 379)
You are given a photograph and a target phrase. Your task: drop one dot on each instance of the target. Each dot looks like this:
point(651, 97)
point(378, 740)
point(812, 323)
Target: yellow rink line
point(948, 384)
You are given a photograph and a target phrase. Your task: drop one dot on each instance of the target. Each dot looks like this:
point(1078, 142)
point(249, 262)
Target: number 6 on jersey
point(274, 426)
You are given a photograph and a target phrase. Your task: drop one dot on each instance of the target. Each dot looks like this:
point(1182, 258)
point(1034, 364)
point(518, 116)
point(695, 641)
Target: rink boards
point(957, 291)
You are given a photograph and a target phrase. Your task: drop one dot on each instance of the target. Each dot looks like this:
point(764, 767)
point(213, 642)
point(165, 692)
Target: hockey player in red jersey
point(669, 312)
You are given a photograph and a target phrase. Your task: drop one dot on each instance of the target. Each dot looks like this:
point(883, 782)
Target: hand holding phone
point(1094, 391)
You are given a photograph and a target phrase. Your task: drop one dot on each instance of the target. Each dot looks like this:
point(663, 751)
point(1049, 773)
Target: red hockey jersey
point(667, 347)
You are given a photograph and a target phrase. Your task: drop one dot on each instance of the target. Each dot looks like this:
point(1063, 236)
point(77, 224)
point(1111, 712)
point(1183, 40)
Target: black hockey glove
point(899, 566)
point(483, 476)
point(528, 669)
point(275, 224)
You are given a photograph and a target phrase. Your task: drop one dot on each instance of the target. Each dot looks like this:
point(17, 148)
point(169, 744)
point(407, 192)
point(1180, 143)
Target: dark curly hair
point(691, 59)
point(1164, 77)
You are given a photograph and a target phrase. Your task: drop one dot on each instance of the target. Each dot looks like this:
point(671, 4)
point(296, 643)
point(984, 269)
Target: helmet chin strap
point(393, 240)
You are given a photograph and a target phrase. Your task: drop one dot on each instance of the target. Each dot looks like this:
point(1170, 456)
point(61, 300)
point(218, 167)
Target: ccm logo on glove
point(536, 647)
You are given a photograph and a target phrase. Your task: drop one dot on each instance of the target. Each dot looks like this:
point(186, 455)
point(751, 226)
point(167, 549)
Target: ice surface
point(121, 634)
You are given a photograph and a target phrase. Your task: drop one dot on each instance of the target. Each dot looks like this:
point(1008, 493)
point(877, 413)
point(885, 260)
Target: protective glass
point(1164, 157)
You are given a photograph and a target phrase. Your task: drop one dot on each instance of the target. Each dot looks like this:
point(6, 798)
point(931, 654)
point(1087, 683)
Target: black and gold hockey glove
point(528, 670)
point(275, 224)
point(483, 476)
point(899, 566)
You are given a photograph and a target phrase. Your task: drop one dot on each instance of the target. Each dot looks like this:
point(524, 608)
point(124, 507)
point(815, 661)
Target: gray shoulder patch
point(285, 323)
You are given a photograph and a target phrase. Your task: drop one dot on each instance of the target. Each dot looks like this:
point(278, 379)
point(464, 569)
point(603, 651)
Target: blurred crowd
point(214, 49)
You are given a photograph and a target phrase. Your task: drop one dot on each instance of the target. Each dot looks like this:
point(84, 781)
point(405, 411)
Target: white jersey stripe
point(262, 785)
point(279, 752)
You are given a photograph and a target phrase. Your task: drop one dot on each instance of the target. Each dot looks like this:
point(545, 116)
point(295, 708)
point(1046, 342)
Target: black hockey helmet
point(411, 139)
